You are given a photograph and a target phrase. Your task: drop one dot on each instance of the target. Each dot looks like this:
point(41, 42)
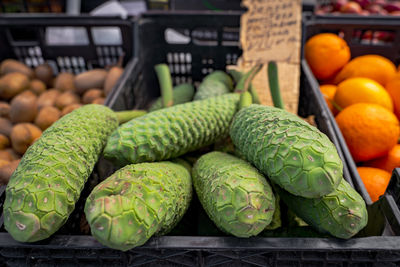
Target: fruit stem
point(274, 88)
point(165, 81)
point(237, 75)
point(245, 100)
point(127, 115)
point(245, 81)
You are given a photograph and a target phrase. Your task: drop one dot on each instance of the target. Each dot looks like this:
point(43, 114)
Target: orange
point(362, 90)
point(370, 130)
point(375, 181)
point(375, 67)
point(326, 54)
point(387, 162)
point(393, 88)
point(328, 91)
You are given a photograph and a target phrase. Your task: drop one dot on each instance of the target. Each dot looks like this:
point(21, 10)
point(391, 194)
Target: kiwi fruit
point(8, 154)
point(48, 98)
point(12, 65)
point(23, 135)
point(4, 141)
point(91, 95)
point(70, 108)
point(99, 100)
point(4, 109)
point(37, 87)
point(111, 79)
point(7, 170)
point(65, 82)
point(44, 73)
point(12, 84)
point(90, 79)
point(65, 99)
point(47, 116)
point(5, 127)
point(23, 107)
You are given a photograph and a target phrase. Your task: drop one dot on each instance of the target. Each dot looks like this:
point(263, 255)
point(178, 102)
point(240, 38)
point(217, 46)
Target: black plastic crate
point(69, 247)
point(352, 29)
point(67, 43)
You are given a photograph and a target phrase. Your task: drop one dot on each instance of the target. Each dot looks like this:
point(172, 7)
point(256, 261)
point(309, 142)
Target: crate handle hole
point(176, 36)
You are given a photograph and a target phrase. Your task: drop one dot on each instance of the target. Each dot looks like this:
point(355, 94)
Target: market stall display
point(129, 208)
point(361, 87)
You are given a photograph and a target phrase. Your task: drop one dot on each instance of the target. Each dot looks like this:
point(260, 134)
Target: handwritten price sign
point(271, 30)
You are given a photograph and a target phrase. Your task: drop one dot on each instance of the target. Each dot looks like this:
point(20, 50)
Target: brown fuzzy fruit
point(4, 141)
point(44, 73)
point(112, 78)
point(65, 82)
point(23, 135)
point(90, 79)
point(48, 98)
point(23, 107)
point(91, 95)
point(12, 84)
point(7, 170)
point(5, 127)
point(99, 101)
point(8, 154)
point(4, 109)
point(47, 116)
point(66, 99)
point(3, 162)
point(37, 87)
point(70, 108)
point(12, 65)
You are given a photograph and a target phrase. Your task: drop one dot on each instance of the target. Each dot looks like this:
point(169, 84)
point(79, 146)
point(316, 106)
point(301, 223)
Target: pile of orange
point(363, 94)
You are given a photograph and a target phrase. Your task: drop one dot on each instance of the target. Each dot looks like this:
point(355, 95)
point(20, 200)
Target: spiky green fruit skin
point(181, 94)
point(137, 202)
point(43, 190)
point(342, 213)
point(172, 132)
point(210, 88)
point(219, 75)
point(291, 152)
point(236, 197)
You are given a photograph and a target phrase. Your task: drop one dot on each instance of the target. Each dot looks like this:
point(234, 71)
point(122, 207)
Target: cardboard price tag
point(270, 30)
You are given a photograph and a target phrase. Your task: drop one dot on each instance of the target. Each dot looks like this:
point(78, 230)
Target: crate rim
point(16, 19)
point(185, 13)
point(376, 243)
point(308, 18)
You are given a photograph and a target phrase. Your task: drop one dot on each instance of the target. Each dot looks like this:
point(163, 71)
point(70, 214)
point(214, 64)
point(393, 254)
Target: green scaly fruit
point(173, 131)
point(210, 88)
point(44, 188)
point(288, 150)
point(342, 213)
point(137, 202)
point(219, 75)
point(181, 94)
point(236, 197)
point(276, 218)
